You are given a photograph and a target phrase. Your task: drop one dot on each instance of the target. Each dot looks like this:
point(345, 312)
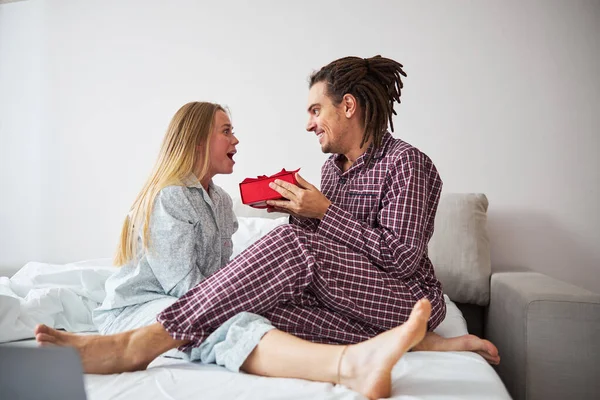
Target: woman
point(178, 232)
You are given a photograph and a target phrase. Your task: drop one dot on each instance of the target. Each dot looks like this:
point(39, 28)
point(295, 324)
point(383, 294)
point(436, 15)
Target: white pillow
point(251, 229)
point(454, 323)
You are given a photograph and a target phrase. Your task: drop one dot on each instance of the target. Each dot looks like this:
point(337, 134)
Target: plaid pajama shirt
point(344, 279)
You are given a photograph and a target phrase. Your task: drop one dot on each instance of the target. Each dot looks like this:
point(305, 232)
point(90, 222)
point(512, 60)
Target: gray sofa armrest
point(548, 335)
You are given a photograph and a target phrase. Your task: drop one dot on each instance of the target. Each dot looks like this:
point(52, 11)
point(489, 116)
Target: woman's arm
point(175, 237)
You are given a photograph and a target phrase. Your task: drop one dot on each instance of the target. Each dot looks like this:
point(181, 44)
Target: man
point(348, 269)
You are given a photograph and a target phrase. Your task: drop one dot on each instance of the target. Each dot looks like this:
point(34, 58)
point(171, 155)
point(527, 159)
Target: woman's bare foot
point(367, 367)
point(435, 342)
point(123, 352)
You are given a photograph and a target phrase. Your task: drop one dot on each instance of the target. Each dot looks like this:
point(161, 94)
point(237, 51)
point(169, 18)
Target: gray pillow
point(460, 247)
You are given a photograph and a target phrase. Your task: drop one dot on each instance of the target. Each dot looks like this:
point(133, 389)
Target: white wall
point(503, 96)
point(22, 121)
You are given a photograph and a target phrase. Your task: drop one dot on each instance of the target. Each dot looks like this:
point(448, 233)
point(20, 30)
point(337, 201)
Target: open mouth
point(231, 154)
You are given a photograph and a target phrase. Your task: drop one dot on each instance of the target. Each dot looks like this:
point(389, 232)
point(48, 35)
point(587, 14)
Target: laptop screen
point(40, 373)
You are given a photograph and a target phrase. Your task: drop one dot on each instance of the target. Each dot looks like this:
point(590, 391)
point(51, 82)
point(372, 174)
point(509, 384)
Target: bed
point(63, 296)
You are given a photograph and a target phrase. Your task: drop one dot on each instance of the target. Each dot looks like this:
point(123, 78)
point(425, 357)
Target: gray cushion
point(460, 248)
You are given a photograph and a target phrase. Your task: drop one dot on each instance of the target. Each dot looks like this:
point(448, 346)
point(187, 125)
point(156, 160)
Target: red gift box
point(256, 191)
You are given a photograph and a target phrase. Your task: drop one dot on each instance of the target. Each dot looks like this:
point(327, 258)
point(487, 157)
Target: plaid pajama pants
point(306, 285)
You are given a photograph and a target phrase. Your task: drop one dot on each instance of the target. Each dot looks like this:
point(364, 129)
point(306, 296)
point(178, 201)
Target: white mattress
point(418, 375)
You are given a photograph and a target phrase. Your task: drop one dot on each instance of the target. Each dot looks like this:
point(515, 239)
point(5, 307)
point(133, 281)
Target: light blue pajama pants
point(228, 346)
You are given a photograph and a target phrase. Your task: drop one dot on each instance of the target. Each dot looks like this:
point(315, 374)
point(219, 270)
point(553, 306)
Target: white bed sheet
point(422, 375)
point(418, 375)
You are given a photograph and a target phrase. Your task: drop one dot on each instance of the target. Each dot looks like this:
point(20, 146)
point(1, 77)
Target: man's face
point(325, 120)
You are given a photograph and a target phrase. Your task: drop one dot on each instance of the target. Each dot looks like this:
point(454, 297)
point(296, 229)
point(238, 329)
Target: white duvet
point(61, 296)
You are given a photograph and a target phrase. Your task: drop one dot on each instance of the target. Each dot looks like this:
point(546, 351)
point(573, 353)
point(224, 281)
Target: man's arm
point(400, 240)
point(174, 234)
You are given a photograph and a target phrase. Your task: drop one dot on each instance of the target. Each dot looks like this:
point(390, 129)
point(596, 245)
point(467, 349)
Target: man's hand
point(303, 200)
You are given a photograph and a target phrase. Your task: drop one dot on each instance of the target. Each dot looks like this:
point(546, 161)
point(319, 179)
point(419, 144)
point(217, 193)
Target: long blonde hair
point(191, 126)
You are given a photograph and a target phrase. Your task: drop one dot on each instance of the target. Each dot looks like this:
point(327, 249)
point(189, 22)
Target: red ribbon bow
point(262, 177)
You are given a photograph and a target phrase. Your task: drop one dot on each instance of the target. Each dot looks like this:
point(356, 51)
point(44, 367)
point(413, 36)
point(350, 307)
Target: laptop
point(31, 373)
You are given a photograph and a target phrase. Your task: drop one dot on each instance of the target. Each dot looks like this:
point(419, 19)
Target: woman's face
point(222, 145)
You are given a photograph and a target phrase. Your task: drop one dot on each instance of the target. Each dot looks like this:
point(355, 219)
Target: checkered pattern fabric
point(344, 279)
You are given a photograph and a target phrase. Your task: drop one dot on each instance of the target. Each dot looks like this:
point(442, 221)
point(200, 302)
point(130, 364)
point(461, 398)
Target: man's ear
point(350, 105)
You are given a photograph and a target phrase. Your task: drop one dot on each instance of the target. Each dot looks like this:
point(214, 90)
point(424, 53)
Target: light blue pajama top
point(190, 238)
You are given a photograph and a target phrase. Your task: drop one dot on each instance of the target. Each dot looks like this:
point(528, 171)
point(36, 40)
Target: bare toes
point(41, 328)
point(45, 338)
point(494, 360)
point(490, 348)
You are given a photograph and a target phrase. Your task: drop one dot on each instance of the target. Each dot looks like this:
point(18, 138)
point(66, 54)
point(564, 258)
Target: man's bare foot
point(485, 348)
point(123, 352)
point(367, 367)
